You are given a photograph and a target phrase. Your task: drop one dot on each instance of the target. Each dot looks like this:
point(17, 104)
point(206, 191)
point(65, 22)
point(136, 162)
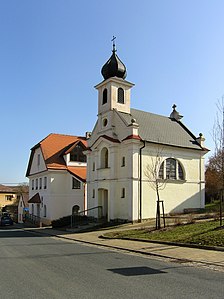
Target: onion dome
point(114, 67)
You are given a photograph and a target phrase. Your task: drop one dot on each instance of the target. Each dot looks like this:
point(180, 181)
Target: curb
point(181, 260)
point(188, 245)
point(116, 247)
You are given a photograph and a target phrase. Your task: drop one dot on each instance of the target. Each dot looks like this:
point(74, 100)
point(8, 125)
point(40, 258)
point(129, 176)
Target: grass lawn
point(202, 233)
point(214, 206)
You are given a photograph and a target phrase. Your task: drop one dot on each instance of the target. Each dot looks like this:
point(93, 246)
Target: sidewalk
point(209, 258)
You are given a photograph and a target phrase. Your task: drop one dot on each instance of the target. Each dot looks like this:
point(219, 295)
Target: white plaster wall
point(59, 197)
point(177, 195)
point(112, 86)
point(20, 210)
point(62, 197)
point(35, 167)
point(115, 178)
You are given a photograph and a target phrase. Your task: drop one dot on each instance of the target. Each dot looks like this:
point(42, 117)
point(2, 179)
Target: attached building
point(57, 177)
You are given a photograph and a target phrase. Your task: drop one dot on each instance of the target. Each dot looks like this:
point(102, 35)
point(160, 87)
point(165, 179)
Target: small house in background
point(10, 198)
point(57, 177)
point(7, 197)
point(23, 207)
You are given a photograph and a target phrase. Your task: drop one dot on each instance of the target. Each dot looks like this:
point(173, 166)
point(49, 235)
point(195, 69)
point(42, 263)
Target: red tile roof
point(53, 147)
point(79, 172)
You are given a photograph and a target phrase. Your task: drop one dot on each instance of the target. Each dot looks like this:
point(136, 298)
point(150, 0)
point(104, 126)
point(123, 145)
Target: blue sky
point(52, 51)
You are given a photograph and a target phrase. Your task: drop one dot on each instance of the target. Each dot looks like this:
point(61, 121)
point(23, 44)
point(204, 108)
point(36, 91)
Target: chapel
point(135, 158)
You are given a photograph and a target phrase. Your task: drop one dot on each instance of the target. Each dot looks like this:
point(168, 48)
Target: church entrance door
point(103, 201)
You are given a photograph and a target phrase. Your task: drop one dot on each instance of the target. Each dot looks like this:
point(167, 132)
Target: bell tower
point(114, 91)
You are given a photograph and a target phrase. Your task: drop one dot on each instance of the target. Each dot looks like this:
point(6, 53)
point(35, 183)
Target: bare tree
point(157, 183)
point(21, 189)
point(218, 157)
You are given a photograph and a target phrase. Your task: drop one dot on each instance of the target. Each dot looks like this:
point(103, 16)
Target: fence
point(94, 214)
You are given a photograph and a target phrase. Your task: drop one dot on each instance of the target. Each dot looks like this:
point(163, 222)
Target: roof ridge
point(150, 113)
point(67, 135)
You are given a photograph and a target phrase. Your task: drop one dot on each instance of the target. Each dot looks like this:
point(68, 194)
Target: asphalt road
point(34, 266)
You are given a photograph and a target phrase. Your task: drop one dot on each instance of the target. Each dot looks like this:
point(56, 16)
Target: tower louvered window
point(120, 95)
point(104, 96)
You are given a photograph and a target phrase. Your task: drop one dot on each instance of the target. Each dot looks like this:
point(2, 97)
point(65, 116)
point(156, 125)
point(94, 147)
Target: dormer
point(74, 155)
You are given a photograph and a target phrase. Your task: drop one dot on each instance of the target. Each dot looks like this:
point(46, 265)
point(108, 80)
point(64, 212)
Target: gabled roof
point(35, 199)
point(7, 189)
point(53, 148)
point(79, 172)
point(161, 130)
point(25, 199)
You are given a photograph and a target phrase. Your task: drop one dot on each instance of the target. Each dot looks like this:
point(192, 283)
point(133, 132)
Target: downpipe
point(140, 182)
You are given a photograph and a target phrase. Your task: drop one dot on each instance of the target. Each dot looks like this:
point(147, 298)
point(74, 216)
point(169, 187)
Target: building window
point(36, 184)
point(32, 211)
point(171, 169)
point(180, 172)
point(120, 95)
point(76, 184)
point(9, 197)
point(93, 193)
point(38, 159)
point(104, 96)
point(75, 209)
point(94, 166)
point(45, 211)
point(104, 158)
point(45, 182)
point(105, 122)
point(32, 184)
point(76, 155)
point(123, 193)
point(40, 182)
point(123, 162)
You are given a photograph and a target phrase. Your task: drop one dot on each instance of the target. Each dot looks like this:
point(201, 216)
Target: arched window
point(75, 209)
point(120, 95)
point(123, 193)
point(104, 96)
point(104, 158)
point(171, 169)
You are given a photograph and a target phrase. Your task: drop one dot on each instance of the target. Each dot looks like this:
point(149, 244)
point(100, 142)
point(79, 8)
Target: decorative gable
point(37, 163)
point(53, 152)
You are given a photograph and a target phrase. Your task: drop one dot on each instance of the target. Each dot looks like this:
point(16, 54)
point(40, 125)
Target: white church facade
point(130, 152)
